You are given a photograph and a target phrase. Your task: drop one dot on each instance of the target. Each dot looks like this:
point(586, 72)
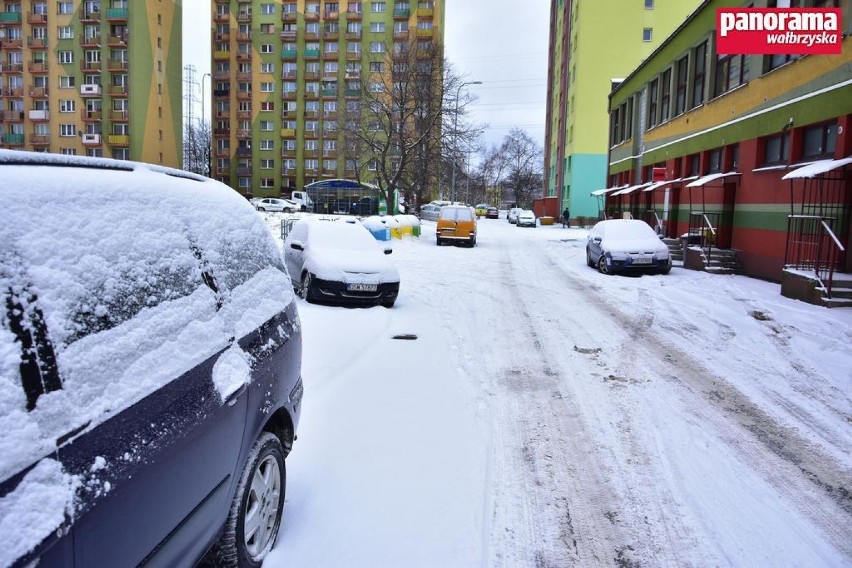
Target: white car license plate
point(361, 287)
point(641, 260)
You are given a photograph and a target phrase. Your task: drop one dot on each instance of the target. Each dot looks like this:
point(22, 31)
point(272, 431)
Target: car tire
point(258, 502)
point(261, 208)
point(389, 303)
point(440, 242)
point(602, 267)
point(306, 290)
point(666, 270)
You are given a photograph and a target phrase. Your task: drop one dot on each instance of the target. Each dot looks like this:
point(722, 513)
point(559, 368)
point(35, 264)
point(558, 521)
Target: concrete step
point(837, 302)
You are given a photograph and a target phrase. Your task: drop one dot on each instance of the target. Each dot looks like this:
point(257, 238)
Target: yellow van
point(456, 223)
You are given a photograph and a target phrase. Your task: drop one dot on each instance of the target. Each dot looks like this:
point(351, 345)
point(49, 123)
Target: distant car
point(430, 212)
point(274, 204)
point(150, 384)
point(339, 261)
point(624, 245)
point(456, 223)
point(492, 213)
point(512, 215)
point(526, 218)
point(481, 209)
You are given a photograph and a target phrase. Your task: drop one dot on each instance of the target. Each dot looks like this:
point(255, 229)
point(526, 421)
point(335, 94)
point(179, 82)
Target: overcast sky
point(493, 41)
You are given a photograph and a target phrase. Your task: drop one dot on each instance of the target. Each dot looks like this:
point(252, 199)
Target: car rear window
point(456, 213)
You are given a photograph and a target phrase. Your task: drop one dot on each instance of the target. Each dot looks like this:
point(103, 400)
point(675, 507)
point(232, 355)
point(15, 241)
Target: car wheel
point(589, 260)
point(261, 209)
point(440, 242)
point(666, 270)
point(389, 303)
point(255, 516)
point(306, 291)
point(602, 267)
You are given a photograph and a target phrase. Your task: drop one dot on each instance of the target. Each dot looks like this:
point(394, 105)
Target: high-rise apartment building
point(92, 77)
point(286, 77)
point(592, 44)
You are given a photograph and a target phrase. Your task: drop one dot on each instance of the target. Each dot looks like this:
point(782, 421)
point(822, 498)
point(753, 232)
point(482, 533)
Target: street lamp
point(203, 84)
point(455, 135)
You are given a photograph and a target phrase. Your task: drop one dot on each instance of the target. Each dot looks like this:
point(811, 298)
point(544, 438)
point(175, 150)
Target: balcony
point(311, 75)
point(311, 153)
point(10, 18)
point(39, 140)
point(244, 37)
point(117, 66)
point(400, 35)
point(331, 35)
point(36, 19)
point(353, 16)
point(421, 34)
point(93, 140)
point(312, 134)
point(221, 93)
point(91, 115)
point(289, 16)
point(288, 35)
point(117, 40)
point(332, 15)
point(329, 93)
point(90, 16)
point(331, 56)
point(353, 36)
point(221, 55)
point(244, 17)
point(311, 16)
point(90, 66)
point(289, 53)
point(17, 92)
point(119, 139)
point(224, 36)
point(13, 116)
point(288, 133)
point(244, 76)
point(243, 95)
point(13, 139)
point(38, 92)
point(401, 13)
point(90, 41)
point(223, 152)
point(244, 134)
point(90, 90)
point(37, 67)
point(288, 152)
point(243, 151)
point(221, 75)
point(10, 43)
point(222, 132)
point(37, 43)
point(244, 171)
point(119, 116)
point(312, 53)
point(222, 18)
point(117, 15)
point(244, 56)
point(119, 90)
point(39, 115)
point(312, 95)
point(353, 56)
point(243, 115)
point(289, 75)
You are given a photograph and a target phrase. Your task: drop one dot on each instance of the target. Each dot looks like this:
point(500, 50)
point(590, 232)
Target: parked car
point(623, 245)
point(492, 213)
point(456, 223)
point(274, 204)
point(526, 218)
point(339, 261)
point(512, 215)
point(481, 209)
point(430, 212)
point(150, 353)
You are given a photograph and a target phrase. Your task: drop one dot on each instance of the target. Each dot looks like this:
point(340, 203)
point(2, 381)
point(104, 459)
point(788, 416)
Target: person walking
point(565, 215)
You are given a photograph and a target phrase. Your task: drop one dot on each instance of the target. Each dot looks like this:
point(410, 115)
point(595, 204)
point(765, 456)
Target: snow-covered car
point(526, 218)
point(274, 204)
point(339, 261)
point(150, 354)
point(492, 213)
point(621, 245)
point(512, 215)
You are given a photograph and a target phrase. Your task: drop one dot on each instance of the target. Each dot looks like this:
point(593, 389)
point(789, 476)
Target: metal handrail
point(700, 225)
point(813, 245)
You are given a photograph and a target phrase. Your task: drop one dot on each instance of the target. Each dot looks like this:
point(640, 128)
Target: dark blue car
point(150, 356)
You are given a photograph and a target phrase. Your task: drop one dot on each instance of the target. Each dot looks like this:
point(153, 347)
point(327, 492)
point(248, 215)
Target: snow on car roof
point(626, 229)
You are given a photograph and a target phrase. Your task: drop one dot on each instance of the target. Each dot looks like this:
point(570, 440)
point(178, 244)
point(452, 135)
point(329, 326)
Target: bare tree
point(197, 148)
point(492, 170)
point(523, 166)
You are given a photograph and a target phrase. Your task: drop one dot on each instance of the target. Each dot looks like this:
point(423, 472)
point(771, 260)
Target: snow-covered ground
point(548, 415)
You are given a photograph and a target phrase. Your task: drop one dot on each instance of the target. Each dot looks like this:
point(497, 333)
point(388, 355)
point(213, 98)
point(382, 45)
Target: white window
point(67, 106)
point(66, 57)
point(377, 47)
point(267, 144)
point(266, 106)
point(267, 183)
point(65, 32)
point(377, 7)
point(267, 87)
point(68, 151)
point(244, 182)
point(267, 68)
point(311, 165)
point(65, 7)
point(267, 8)
point(266, 48)
point(68, 130)
point(266, 125)
point(66, 82)
point(267, 164)
point(377, 27)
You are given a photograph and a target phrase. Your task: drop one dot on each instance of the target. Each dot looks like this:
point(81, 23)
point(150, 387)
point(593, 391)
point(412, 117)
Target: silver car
point(274, 204)
point(512, 216)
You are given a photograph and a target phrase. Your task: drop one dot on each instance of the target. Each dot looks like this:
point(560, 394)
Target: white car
point(626, 245)
point(274, 204)
point(512, 215)
point(339, 261)
point(526, 218)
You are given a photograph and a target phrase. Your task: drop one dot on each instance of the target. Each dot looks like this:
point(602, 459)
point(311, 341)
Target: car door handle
point(232, 398)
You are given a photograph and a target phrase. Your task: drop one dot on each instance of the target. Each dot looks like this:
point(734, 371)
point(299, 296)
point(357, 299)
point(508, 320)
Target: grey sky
point(502, 43)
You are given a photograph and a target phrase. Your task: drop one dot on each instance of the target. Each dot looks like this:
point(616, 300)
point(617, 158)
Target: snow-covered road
point(548, 415)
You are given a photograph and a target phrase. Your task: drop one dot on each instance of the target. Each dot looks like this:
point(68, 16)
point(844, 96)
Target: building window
point(267, 8)
point(65, 32)
point(377, 27)
point(647, 34)
point(665, 95)
point(67, 106)
point(819, 141)
point(653, 88)
point(649, 4)
point(771, 62)
point(266, 125)
point(694, 164)
point(266, 48)
point(699, 75)
point(267, 144)
point(776, 149)
point(377, 7)
point(66, 57)
point(715, 161)
point(67, 130)
point(731, 72)
point(65, 7)
point(267, 183)
point(267, 87)
point(680, 89)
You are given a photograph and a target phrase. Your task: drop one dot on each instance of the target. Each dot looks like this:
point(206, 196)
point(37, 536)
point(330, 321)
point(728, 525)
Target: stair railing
point(812, 246)
point(702, 229)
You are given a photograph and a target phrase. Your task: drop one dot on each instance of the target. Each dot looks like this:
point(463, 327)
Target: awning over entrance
point(817, 168)
point(663, 184)
point(631, 189)
point(606, 190)
point(712, 177)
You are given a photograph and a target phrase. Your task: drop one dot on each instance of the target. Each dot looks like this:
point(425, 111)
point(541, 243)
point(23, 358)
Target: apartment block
point(592, 45)
point(286, 75)
point(92, 77)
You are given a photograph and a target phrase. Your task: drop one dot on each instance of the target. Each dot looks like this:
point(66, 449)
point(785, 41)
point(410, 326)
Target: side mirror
point(296, 245)
point(596, 240)
point(388, 250)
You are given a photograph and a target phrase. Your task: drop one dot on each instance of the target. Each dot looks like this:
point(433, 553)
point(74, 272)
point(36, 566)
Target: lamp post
point(203, 84)
point(455, 135)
